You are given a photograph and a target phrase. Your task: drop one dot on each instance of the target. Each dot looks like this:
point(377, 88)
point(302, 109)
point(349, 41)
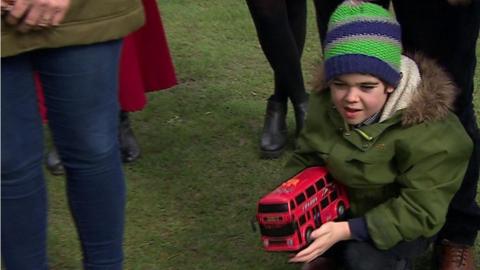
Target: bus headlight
point(290, 242)
point(265, 243)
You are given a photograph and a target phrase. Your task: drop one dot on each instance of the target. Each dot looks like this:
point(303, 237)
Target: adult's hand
point(7, 5)
point(325, 237)
point(32, 14)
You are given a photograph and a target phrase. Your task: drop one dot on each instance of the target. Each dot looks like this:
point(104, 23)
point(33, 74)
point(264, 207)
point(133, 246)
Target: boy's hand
point(32, 14)
point(325, 237)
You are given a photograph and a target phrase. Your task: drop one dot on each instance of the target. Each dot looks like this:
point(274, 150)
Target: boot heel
point(128, 142)
point(300, 110)
point(274, 135)
point(53, 163)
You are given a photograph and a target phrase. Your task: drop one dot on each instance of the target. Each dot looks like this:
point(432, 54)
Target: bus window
point(302, 220)
point(329, 178)
point(324, 203)
point(273, 208)
point(320, 184)
point(333, 196)
point(300, 199)
point(310, 191)
point(292, 205)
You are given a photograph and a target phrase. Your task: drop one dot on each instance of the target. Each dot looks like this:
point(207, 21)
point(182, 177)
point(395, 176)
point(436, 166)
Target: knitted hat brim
point(358, 63)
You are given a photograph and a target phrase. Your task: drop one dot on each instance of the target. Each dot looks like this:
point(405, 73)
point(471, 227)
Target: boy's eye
point(367, 87)
point(339, 84)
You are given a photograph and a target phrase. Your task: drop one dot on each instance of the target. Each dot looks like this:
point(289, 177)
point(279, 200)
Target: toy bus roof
point(293, 186)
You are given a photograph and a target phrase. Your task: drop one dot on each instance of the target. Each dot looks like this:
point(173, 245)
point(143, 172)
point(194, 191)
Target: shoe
point(300, 110)
point(321, 263)
point(452, 256)
point(128, 143)
point(53, 163)
point(274, 135)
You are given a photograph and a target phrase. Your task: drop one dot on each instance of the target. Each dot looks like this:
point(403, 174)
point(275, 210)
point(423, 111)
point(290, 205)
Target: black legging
point(281, 26)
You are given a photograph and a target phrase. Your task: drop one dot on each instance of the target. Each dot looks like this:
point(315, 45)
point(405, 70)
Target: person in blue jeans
point(76, 56)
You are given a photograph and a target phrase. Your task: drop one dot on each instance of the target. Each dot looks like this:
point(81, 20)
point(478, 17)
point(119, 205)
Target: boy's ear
point(390, 89)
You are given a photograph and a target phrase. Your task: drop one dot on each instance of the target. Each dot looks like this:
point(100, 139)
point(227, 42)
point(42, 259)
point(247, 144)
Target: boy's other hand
point(324, 238)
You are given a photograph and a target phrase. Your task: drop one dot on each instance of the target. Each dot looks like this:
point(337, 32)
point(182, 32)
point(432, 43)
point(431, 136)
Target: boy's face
point(358, 96)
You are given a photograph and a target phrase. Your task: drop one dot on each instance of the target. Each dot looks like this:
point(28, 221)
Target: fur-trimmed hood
point(425, 91)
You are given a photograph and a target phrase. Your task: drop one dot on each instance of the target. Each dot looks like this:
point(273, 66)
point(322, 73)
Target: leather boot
point(128, 143)
point(274, 135)
point(300, 110)
point(53, 163)
point(452, 256)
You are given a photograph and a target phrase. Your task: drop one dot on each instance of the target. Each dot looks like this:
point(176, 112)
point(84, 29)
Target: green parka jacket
point(402, 172)
point(86, 22)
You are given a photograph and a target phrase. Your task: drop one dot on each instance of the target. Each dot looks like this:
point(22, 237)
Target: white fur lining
point(401, 97)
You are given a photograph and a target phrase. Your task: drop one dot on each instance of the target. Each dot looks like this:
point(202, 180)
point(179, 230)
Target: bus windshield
point(286, 230)
point(273, 208)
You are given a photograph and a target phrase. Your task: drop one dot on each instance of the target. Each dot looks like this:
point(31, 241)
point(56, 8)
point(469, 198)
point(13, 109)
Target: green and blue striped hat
point(363, 38)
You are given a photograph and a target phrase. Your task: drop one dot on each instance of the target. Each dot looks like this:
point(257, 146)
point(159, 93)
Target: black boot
point(128, 143)
point(53, 163)
point(274, 135)
point(300, 110)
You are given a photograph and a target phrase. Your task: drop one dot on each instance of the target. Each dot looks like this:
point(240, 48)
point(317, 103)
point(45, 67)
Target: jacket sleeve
point(303, 157)
point(306, 155)
point(430, 172)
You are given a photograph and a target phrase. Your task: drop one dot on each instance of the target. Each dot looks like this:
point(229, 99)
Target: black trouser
point(354, 255)
point(281, 26)
point(447, 34)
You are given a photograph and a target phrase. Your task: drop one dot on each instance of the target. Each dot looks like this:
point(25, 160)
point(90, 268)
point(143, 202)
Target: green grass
point(193, 192)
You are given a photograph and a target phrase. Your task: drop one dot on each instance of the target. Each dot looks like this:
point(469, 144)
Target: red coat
point(145, 64)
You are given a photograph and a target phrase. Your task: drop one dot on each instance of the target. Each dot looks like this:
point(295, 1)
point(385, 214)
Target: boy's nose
point(351, 95)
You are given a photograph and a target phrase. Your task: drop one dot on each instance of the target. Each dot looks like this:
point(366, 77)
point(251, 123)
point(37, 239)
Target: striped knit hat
point(363, 38)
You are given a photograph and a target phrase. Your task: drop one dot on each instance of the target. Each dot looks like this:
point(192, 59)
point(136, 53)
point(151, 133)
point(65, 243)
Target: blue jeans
point(81, 86)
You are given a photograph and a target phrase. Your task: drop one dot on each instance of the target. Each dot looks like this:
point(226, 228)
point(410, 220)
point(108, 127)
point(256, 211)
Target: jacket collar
point(363, 137)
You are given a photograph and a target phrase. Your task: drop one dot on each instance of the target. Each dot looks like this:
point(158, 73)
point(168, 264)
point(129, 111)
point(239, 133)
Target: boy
point(375, 123)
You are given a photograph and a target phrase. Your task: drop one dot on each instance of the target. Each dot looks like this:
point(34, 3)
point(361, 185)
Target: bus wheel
point(308, 235)
point(341, 210)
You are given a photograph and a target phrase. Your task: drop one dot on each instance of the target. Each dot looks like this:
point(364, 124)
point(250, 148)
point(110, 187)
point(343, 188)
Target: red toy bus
point(288, 215)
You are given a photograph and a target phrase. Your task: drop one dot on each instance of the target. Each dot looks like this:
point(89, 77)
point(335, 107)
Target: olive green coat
point(87, 22)
point(402, 172)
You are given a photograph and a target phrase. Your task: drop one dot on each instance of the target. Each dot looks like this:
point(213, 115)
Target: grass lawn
point(192, 194)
